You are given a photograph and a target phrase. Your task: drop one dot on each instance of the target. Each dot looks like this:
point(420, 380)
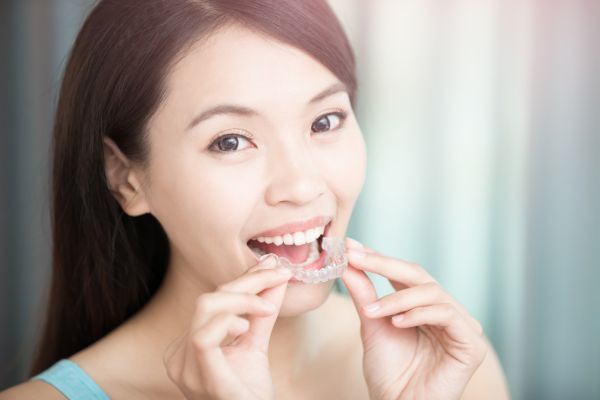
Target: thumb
point(362, 292)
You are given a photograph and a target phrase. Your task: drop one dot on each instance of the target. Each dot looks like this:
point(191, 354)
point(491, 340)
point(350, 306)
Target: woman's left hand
point(419, 342)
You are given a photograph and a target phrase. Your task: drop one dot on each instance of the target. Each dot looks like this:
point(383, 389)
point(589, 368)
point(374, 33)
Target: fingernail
point(371, 307)
point(268, 260)
point(397, 318)
point(353, 244)
point(356, 254)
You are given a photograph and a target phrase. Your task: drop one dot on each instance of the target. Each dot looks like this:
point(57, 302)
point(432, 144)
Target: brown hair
point(106, 265)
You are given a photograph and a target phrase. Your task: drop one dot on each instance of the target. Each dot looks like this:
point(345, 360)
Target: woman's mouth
point(303, 251)
point(313, 256)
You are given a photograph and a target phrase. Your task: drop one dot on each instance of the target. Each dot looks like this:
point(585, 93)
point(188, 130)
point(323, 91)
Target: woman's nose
point(295, 177)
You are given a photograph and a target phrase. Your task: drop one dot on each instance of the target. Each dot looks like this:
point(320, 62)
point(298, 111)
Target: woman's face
point(289, 155)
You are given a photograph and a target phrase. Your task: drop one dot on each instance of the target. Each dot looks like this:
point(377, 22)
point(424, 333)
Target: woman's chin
point(304, 297)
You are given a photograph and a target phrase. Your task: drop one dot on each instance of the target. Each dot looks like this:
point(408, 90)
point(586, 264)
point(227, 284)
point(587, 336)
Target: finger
point(443, 315)
point(265, 261)
point(205, 343)
point(210, 304)
point(362, 291)
point(263, 275)
point(417, 296)
point(218, 329)
point(261, 327)
point(239, 326)
point(403, 300)
point(257, 281)
point(355, 244)
point(187, 357)
point(399, 286)
point(397, 271)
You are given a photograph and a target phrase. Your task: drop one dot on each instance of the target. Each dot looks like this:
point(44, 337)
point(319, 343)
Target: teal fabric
point(67, 377)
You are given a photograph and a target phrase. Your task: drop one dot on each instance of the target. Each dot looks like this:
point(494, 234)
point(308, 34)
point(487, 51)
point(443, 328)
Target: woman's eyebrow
point(249, 112)
point(331, 90)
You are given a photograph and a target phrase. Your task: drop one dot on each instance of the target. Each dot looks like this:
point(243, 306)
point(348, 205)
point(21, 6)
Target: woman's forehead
point(239, 64)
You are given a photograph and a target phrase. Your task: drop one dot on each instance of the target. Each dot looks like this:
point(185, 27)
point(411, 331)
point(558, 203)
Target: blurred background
point(482, 122)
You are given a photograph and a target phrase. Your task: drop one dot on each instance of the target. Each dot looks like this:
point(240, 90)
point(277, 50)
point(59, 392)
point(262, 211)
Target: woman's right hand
point(224, 354)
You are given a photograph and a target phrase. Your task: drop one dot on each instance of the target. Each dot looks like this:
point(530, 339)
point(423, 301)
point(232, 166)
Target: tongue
point(295, 254)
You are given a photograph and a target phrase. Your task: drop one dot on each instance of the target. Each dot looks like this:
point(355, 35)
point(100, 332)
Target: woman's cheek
point(345, 167)
point(228, 194)
point(213, 209)
point(201, 195)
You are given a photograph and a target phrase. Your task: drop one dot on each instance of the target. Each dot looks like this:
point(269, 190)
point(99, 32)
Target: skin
point(207, 332)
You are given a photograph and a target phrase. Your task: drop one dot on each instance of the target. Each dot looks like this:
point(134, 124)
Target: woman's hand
point(418, 341)
point(223, 355)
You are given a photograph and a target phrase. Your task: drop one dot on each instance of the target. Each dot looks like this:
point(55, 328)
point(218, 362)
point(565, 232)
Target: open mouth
point(304, 255)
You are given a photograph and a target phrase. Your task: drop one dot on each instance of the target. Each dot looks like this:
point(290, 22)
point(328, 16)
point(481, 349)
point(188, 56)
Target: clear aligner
point(334, 265)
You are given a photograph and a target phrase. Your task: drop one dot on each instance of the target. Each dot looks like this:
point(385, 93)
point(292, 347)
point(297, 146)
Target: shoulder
point(34, 389)
point(126, 363)
point(111, 366)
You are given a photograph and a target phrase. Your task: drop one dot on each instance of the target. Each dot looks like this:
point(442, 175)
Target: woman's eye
point(327, 122)
point(227, 143)
point(230, 142)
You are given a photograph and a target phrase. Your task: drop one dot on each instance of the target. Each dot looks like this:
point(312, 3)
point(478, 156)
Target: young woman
point(189, 134)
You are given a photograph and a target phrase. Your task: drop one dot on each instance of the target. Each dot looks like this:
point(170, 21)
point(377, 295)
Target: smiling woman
point(191, 138)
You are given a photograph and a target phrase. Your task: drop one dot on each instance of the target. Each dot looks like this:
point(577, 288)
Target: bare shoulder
point(111, 365)
point(126, 364)
point(488, 381)
point(34, 389)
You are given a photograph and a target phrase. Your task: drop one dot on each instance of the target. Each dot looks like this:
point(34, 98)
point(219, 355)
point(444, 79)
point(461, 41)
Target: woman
point(188, 135)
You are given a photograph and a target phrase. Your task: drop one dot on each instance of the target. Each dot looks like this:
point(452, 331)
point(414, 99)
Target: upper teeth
point(295, 238)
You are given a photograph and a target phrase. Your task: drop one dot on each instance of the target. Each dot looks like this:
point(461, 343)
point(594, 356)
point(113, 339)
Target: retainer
point(336, 262)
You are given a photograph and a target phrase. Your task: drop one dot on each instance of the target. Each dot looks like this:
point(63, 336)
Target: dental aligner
point(335, 263)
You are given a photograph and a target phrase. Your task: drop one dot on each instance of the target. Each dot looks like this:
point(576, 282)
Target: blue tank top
point(72, 381)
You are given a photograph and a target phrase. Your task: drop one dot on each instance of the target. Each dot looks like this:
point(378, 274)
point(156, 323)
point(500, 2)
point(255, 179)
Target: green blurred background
point(482, 122)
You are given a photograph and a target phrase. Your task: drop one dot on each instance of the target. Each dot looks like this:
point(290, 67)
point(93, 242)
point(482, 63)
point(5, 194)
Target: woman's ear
point(122, 180)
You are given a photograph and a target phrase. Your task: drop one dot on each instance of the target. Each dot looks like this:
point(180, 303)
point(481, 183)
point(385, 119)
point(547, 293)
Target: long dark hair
point(106, 265)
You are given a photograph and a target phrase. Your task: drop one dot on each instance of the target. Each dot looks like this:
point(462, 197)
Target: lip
point(298, 226)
